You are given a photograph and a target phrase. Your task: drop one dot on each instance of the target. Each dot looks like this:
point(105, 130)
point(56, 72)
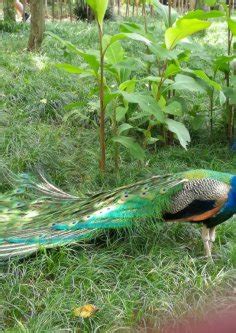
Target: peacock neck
point(231, 202)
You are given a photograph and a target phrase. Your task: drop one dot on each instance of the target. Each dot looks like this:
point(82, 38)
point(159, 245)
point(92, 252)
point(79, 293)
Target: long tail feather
point(44, 215)
point(24, 245)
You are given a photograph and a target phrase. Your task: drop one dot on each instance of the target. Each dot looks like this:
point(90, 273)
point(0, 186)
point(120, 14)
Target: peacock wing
point(199, 200)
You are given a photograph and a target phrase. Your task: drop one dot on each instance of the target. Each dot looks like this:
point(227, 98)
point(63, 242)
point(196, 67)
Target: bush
point(11, 27)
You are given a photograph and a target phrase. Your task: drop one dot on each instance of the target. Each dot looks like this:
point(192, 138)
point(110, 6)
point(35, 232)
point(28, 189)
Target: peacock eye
point(163, 190)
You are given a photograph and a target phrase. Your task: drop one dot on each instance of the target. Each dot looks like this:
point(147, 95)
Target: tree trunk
point(46, 8)
point(61, 9)
point(53, 10)
point(112, 7)
point(127, 8)
point(37, 25)
point(9, 10)
point(23, 14)
point(118, 5)
point(70, 10)
point(192, 4)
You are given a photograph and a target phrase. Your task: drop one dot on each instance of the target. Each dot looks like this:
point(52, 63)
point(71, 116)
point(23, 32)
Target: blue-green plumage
point(228, 209)
point(50, 217)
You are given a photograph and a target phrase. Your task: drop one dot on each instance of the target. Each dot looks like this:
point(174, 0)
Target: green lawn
point(135, 278)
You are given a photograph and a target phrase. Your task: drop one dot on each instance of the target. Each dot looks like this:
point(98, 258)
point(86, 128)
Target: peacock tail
point(38, 214)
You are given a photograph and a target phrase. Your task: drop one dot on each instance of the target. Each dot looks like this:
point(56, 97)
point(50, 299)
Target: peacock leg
point(212, 234)
point(206, 240)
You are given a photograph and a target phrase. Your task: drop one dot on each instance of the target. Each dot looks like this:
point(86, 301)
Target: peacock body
point(52, 217)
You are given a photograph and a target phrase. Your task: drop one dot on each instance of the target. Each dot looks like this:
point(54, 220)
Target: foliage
point(7, 26)
point(149, 276)
point(150, 112)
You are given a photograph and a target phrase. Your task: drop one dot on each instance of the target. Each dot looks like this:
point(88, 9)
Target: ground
point(135, 278)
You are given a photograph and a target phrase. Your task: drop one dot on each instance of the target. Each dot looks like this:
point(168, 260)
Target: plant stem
point(169, 12)
point(116, 145)
point(229, 108)
point(211, 111)
point(145, 16)
point(158, 95)
point(102, 163)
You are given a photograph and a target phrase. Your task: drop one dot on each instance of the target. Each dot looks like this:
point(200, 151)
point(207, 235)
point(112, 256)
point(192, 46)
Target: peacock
point(37, 214)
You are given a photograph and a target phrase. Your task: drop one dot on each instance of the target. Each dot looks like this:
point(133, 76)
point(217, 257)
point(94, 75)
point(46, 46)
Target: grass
point(137, 278)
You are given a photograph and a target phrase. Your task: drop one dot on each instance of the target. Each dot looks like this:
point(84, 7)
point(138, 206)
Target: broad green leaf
point(91, 57)
point(151, 58)
point(134, 148)
point(162, 53)
point(184, 56)
point(120, 113)
point(162, 102)
point(222, 98)
point(129, 63)
point(99, 8)
point(124, 72)
point(174, 108)
point(180, 130)
point(106, 41)
point(230, 92)
point(125, 35)
point(144, 116)
point(70, 68)
point(151, 140)
point(232, 26)
point(124, 127)
point(74, 69)
point(131, 27)
point(172, 69)
point(114, 53)
point(203, 15)
point(185, 82)
point(198, 121)
point(163, 11)
point(109, 96)
point(138, 37)
point(182, 29)
point(222, 63)
point(147, 104)
point(128, 86)
point(202, 75)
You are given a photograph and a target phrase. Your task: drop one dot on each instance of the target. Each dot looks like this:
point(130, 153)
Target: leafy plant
point(148, 106)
